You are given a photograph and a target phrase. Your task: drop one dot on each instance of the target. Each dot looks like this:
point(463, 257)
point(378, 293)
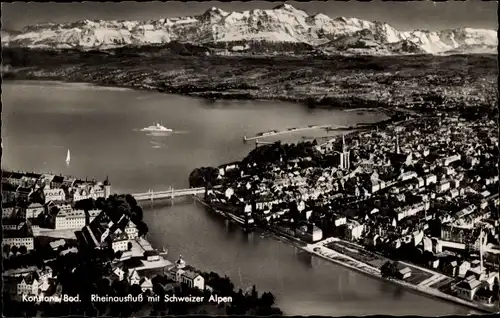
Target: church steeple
point(344, 156)
point(107, 188)
point(397, 143)
point(180, 263)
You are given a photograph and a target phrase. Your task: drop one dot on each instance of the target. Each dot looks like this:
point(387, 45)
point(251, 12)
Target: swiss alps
point(281, 25)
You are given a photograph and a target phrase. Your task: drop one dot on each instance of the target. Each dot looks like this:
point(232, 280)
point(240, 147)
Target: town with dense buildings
point(415, 202)
point(61, 232)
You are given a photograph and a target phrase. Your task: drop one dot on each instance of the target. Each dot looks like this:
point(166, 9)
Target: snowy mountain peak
point(214, 10)
point(282, 24)
point(285, 6)
point(342, 19)
point(291, 9)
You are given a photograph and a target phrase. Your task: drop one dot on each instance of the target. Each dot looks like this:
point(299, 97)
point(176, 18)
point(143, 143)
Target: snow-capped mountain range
point(282, 24)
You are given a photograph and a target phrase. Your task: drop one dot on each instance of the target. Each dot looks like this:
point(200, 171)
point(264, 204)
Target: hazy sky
point(402, 15)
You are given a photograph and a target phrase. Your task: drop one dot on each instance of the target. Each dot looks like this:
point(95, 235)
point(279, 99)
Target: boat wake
point(157, 144)
point(155, 133)
point(180, 132)
point(160, 133)
point(43, 146)
point(143, 97)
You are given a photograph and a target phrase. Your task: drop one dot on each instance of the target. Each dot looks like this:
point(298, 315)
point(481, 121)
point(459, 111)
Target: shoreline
point(63, 82)
point(204, 95)
point(344, 260)
point(358, 266)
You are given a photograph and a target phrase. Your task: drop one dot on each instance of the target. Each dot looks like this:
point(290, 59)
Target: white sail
point(68, 157)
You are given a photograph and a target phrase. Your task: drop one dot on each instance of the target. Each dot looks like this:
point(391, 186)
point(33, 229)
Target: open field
point(346, 82)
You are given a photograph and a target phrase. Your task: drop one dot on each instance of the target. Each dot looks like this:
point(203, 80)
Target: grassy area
point(444, 285)
point(361, 256)
point(417, 275)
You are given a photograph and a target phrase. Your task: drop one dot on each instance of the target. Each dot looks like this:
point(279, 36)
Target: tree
point(142, 228)
point(23, 250)
point(200, 177)
point(6, 249)
point(135, 290)
point(496, 291)
point(131, 200)
point(254, 294)
point(118, 254)
point(100, 203)
point(129, 246)
point(14, 249)
point(267, 299)
point(387, 270)
point(123, 208)
point(136, 214)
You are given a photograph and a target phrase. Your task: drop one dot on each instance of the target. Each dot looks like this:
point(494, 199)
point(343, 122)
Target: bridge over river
point(169, 194)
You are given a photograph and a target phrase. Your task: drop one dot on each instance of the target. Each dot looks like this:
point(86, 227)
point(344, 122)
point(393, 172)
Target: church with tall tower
point(398, 150)
point(107, 188)
point(345, 160)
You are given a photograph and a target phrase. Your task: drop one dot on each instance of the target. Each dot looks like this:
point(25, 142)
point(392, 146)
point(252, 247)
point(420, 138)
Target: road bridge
point(169, 194)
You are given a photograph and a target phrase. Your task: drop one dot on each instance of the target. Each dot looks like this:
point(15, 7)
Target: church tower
point(345, 162)
point(107, 188)
point(347, 159)
point(341, 157)
point(397, 143)
point(180, 263)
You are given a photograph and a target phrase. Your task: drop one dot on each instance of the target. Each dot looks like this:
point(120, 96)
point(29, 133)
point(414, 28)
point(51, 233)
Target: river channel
point(101, 127)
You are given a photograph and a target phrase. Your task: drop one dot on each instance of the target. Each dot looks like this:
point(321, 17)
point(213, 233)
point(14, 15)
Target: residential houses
point(19, 237)
point(467, 288)
point(22, 284)
point(34, 210)
point(180, 274)
point(72, 219)
point(54, 195)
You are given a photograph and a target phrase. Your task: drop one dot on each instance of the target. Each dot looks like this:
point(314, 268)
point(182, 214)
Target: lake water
point(101, 127)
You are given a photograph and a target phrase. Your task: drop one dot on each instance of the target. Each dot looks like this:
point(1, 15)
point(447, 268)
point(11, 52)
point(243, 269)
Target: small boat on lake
point(163, 252)
point(157, 128)
point(68, 158)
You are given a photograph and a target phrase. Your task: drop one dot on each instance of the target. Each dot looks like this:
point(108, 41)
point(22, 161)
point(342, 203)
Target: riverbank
point(227, 215)
point(334, 82)
point(321, 250)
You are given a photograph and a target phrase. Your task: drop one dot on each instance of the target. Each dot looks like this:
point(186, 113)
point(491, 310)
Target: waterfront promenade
point(321, 250)
point(423, 279)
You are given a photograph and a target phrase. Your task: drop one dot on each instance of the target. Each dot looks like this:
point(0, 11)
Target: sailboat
point(163, 252)
point(68, 158)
